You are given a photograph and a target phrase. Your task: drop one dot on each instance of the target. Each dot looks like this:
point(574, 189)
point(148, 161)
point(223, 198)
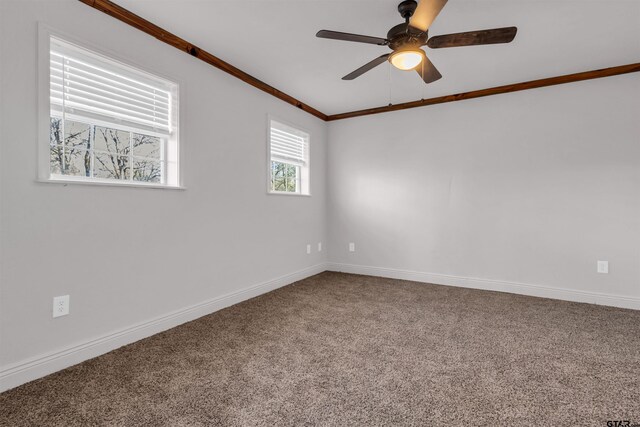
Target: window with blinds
point(109, 121)
point(289, 159)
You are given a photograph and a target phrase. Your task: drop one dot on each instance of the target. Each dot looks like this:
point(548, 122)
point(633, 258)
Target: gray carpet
point(339, 350)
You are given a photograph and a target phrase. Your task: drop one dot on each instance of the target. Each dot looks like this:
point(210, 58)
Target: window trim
point(43, 172)
point(270, 118)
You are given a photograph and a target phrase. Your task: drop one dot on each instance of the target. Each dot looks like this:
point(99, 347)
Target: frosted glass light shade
point(406, 59)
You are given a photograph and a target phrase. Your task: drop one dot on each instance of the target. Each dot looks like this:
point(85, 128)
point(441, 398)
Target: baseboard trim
point(492, 285)
point(28, 370)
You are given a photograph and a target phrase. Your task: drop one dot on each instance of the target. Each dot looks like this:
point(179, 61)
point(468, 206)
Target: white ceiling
point(274, 40)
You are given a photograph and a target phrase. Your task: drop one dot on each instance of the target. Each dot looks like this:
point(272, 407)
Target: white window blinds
point(288, 145)
point(85, 84)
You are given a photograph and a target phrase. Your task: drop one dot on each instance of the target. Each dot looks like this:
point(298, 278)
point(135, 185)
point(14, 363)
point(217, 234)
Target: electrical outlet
point(60, 306)
point(603, 267)
point(319, 246)
point(352, 247)
point(308, 249)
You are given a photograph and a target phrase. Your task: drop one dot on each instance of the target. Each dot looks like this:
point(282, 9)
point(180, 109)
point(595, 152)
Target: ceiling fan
point(406, 39)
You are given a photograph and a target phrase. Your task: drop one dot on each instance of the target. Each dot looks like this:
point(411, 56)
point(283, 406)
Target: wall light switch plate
point(352, 247)
point(603, 267)
point(319, 246)
point(60, 306)
point(308, 249)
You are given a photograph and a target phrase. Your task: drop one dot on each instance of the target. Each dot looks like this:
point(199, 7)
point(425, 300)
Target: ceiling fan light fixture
point(406, 40)
point(406, 59)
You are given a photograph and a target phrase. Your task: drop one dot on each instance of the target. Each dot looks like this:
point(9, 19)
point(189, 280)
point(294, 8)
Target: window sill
point(283, 193)
point(66, 182)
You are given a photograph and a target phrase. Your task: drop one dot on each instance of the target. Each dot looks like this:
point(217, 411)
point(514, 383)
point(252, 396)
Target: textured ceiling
point(274, 40)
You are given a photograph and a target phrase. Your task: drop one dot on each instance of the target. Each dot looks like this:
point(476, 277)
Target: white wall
point(529, 188)
point(129, 255)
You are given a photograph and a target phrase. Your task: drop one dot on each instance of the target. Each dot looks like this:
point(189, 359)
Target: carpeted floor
point(341, 350)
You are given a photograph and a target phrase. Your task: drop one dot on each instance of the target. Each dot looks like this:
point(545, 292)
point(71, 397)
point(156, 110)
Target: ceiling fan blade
point(473, 38)
point(337, 35)
point(427, 71)
point(426, 13)
point(366, 67)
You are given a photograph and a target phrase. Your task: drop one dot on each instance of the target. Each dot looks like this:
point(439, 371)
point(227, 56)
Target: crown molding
point(515, 87)
point(130, 18)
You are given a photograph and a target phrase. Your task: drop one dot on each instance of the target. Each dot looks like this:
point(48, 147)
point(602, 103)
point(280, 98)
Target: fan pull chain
point(389, 76)
point(424, 86)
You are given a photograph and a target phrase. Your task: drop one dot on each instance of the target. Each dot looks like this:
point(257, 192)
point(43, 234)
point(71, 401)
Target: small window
point(289, 159)
point(109, 122)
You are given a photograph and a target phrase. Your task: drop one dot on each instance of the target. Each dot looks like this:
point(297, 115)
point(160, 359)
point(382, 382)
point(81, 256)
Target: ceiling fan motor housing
point(403, 35)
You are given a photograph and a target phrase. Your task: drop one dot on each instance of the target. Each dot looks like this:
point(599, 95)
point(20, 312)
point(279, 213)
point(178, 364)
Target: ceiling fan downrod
point(406, 9)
